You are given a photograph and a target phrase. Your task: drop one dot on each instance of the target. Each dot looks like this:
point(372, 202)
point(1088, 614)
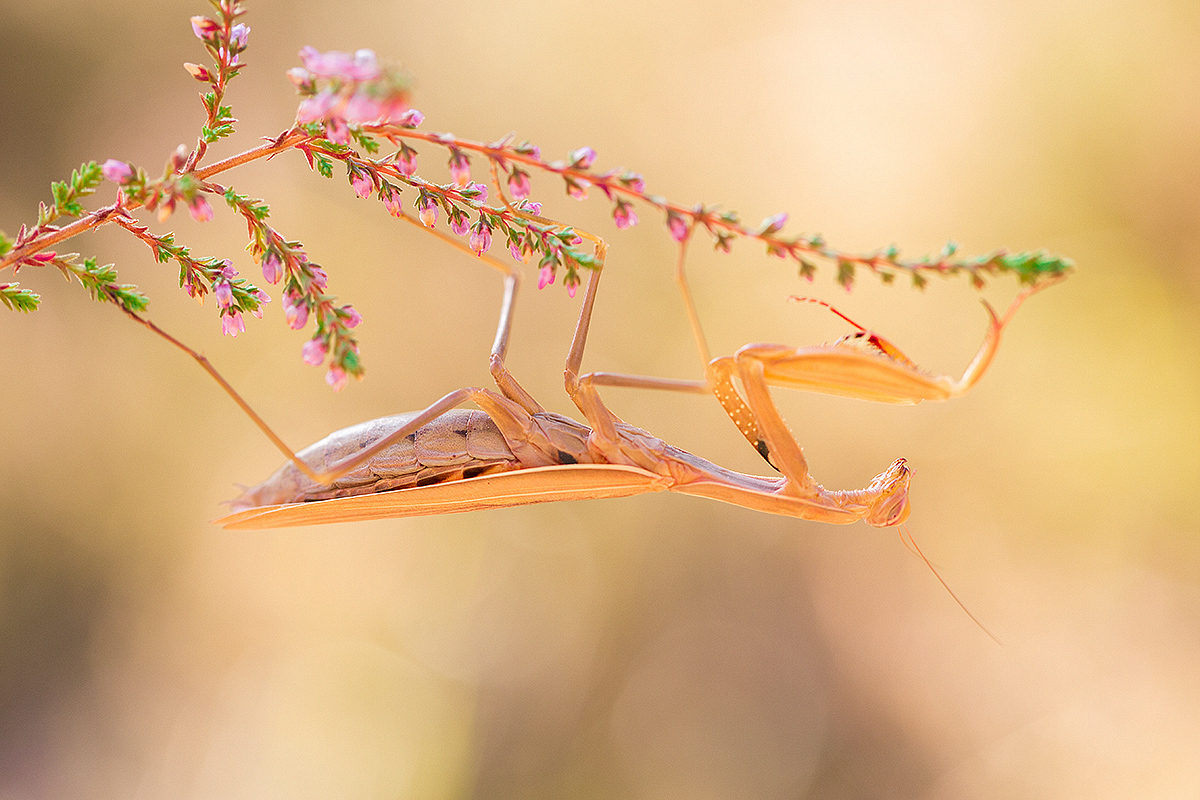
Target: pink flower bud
point(678, 226)
point(460, 225)
point(272, 267)
point(263, 298)
point(313, 352)
point(391, 201)
point(479, 192)
point(337, 378)
point(232, 324)
point(299, 76)
point(337, 131)
point(460, 168)
point(427, 209)
point(577, 188)
point(521, 251)
point(518, 183)
point(571, 290)
point(582, 158)
point(634, 181)
point(531, 208)
point(295, 310)
point(481, 238)
point(200, 210)
point(350, 317)
point(116, 171)
point(224, 294)
point(545, 277)
point(198, 72)
point(204, 28)
point(362, 184)
point(624, 216)
point(319, 278)
point(772, 223)
point(410, 119)
point(406, 161)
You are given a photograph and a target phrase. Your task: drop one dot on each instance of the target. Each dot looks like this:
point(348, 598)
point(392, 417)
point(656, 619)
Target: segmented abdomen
point(458, 444)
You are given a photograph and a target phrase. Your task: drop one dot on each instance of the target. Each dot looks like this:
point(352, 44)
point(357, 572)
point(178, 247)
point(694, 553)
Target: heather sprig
point(225, 39)
point(621, 186)
point(350, 103)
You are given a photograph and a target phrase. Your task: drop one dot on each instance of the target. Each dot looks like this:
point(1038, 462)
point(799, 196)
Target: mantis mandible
point(513, 452)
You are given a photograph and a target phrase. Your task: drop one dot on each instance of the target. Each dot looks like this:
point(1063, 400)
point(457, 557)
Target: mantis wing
point(498, 490)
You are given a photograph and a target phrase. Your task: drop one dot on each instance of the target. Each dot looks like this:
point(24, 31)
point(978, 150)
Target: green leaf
point(18, 299)
point(845, 275)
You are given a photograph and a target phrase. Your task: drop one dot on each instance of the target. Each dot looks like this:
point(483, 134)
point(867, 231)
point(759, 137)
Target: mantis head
point(889, 493)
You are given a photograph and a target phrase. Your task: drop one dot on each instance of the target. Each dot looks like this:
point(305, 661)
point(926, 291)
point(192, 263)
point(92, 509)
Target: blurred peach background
point(659, 646)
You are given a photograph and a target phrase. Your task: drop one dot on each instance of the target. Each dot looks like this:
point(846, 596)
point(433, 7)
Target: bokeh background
point(658, 646)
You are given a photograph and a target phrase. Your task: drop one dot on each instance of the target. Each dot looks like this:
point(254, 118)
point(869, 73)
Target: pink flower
point(772, 223)
point(410, 118)
point(477, 192)
point(545, 277)
point(295, 310)
point(577, 188)
point(518, 183)
point(460, 225)
point(238, 36)
point(391, 201)
point(313, 352)
point(337, 378)
point(319, 277)
point(350, 316)
point(362, 183)
point(634, 181)
point(232, 324)
point(427, 210)
point(624, 216)
point(116, 171)
point(362, 66)
point(272, 267)
point(337, 131)
point(361, 107)
point(460, 168)
point(299, 76)
point(571, 290)
point(198, 72)
point(406, 161)
point(204, 28)
point(531, 208)
point(316, 107)
point(263, 298)
point(200, 210)
point(678, 226)
point(365, 66)
point(481, 238)
point(582, 158)
point(224, 294)
point(521, 251)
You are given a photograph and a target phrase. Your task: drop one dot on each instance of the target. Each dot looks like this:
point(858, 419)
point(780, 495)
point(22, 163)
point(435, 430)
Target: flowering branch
point(349, 102)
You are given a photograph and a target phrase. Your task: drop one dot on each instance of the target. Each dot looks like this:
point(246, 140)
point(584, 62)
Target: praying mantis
point(513, 452)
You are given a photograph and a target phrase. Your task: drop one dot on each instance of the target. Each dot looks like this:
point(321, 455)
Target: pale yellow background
point(660, 646)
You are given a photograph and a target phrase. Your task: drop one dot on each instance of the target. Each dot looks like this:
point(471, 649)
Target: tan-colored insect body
point(513, 452)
